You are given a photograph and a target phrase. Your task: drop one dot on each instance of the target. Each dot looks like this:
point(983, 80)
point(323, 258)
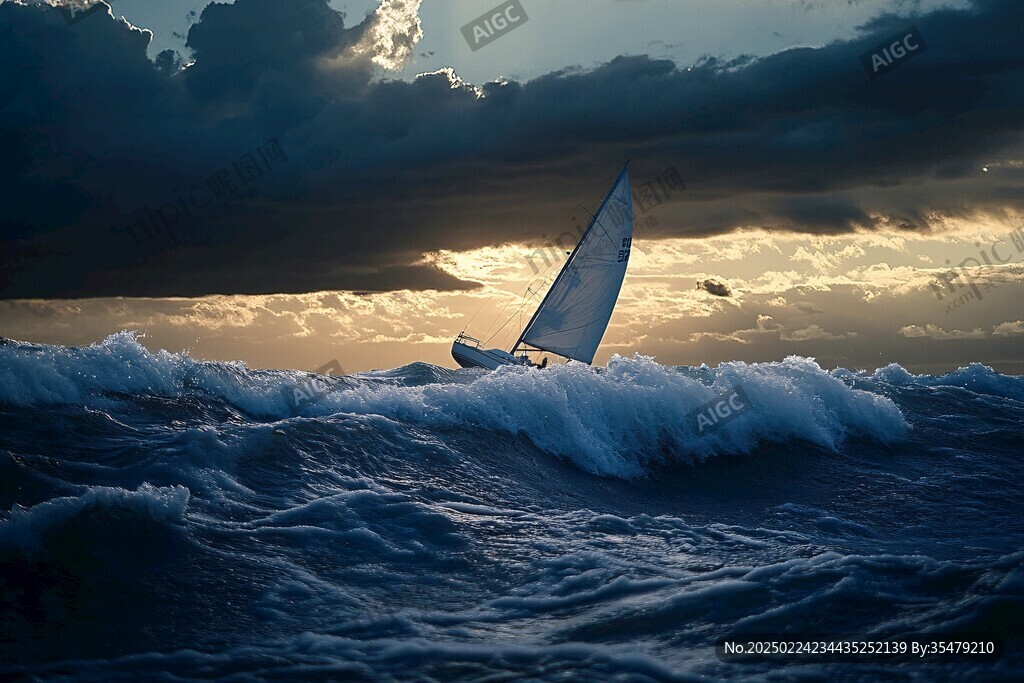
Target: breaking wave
point(610, 421)
point(165, 518)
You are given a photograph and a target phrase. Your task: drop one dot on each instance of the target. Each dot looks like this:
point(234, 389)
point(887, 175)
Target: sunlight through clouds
point(393, 35)
point(801, 294)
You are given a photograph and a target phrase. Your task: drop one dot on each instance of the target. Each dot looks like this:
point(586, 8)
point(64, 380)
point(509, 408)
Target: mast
point(565, 265)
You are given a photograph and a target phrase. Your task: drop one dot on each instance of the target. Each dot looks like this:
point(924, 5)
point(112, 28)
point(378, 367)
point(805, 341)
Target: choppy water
point(167, 518)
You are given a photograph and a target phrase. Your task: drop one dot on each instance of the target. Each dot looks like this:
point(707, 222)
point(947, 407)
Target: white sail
point(574, 315)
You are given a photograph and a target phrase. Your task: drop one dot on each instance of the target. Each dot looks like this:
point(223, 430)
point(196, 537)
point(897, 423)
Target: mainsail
point(572, 318)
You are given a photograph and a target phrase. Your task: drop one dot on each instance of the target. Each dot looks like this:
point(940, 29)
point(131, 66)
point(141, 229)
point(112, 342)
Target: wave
point(37, 374)
point(975, 378)
point(616, 420)
point(415, 522)
point(27, 528)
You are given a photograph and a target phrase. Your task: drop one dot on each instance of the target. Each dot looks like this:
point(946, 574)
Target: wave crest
point(608, 421)
point(617, 420)
point(27, 527)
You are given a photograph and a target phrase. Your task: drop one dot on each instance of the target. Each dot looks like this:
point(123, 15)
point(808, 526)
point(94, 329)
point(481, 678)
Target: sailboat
point(573, 316)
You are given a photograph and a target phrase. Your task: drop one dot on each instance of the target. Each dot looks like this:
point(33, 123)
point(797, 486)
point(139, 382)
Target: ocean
point(163, 518)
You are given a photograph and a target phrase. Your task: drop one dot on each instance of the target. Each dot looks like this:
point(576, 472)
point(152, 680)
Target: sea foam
point(611, 421)
point(617, 420)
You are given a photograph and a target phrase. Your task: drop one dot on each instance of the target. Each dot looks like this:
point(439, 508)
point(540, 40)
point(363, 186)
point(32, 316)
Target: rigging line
point(536, 282)
point(533, 287)
point(519, 313)
point(572, 256)
point(527, 295)
point(540, 278)
point(511, 318)
point(504, 308)
point(497, 317)
point(466, 326)
point(500, 328)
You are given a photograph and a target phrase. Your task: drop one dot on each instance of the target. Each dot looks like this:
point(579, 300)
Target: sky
point(287, 183)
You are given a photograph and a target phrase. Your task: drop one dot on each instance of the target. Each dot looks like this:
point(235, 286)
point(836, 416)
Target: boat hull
point(475, 357)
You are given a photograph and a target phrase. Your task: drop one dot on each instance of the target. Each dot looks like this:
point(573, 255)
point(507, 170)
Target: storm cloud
point(360, 176)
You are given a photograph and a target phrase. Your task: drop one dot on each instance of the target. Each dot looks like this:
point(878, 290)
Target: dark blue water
point(163, 518)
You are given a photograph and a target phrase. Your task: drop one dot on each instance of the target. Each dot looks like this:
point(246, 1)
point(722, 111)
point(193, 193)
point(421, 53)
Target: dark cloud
point(97, 137)
point(714, 287)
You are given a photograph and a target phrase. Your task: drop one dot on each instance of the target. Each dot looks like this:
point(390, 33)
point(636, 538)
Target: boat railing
point(464, 338)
